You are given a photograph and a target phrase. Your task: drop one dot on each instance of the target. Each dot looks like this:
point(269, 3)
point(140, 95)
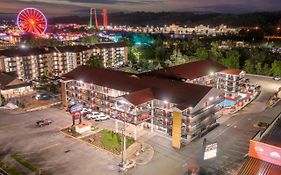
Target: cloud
point(132, 2)
point(68, 7)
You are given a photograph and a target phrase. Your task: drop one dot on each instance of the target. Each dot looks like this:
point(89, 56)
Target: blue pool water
point(230, 103)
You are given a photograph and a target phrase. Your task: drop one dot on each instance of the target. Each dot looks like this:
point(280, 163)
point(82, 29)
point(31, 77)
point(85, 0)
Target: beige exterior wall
point(57, 63)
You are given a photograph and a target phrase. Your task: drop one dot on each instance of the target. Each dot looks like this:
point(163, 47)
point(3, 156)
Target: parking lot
point(48, 148)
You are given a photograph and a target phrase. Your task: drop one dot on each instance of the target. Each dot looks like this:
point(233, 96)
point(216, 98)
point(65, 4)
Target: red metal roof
point(254, 166)
point(140, 97)
point(189, 71)
point(162, 89)
point(231, 71)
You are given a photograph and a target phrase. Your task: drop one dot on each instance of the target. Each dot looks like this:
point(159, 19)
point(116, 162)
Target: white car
point(277, 78)
point(128, 165)
point(92, 115)
point(101, 117)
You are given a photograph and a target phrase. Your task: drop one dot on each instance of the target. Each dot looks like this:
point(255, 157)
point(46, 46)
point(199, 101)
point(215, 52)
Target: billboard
point(210, 151)
point(76, 108)
point(265, 152)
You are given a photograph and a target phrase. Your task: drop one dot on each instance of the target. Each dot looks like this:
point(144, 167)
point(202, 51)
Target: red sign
point(76, 115)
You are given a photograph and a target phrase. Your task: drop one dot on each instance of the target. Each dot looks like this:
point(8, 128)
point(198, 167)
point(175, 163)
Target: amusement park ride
point(31, 20)
point(104, 18)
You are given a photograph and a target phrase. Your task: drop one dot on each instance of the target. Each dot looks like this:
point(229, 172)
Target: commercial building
point(31, 63)
point(11, 86)
point(146, 100)
point(265, 151)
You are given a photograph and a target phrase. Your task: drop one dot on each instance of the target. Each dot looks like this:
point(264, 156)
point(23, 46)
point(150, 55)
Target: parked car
point(277, 78)
point(86, 111)
point(91, 115)
point(128, 165)
point(44, 122)
point(101, 117)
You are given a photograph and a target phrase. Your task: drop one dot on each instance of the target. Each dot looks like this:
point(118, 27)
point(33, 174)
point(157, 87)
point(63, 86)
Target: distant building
point(11, 86)
point(264, 151)
point(31, 63)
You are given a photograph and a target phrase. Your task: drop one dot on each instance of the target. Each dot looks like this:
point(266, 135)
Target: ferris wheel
point(31, 20)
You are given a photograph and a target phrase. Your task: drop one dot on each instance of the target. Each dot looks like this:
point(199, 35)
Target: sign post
point(210, 151)
point(75, 110)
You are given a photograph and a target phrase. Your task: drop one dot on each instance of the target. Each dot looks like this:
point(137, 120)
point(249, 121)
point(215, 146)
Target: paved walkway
point(141, 152)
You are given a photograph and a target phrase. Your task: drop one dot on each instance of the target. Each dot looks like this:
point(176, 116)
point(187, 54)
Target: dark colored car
point(44, 122)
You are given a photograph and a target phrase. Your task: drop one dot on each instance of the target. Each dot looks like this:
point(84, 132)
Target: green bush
point(26, 163)
point(8, 169)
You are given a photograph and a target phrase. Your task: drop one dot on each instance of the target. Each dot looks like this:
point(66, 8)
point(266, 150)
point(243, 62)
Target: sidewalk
point(142, 157)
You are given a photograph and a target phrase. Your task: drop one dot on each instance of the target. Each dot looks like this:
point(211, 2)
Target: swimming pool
point(227, 103)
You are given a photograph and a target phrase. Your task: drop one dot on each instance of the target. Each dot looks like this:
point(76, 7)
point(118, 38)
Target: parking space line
point(48, 147)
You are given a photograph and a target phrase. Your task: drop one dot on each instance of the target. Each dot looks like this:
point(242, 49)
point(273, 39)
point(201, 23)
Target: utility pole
point(124, 153)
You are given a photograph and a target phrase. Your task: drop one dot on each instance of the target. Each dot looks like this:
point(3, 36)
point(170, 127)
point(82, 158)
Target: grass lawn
point(26, 163)
point(10, 170)
point(110, 141)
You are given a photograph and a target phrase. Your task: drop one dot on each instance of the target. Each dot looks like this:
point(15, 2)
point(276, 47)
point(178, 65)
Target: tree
point(202, 53)
point(215, 52)
point(258, 68)
point(158, 66)
point(276, 68)
point(249, 66)
point(232, 59)
point(150, 65)
point(95, 61)
point(88, 40)
point(266, 70)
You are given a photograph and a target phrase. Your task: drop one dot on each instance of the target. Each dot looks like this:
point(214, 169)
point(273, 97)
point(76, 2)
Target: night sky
point(68, 7)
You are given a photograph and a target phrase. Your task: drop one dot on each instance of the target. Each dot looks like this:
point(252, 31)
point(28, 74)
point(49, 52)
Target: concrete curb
point(255, 75)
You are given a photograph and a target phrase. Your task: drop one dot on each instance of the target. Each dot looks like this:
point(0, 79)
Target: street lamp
point(123, 134)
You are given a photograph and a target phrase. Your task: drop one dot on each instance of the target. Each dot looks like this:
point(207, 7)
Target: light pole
point(124, 154)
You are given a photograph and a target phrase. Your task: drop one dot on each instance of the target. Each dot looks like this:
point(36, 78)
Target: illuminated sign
point(210, 151)
point(259, 149)
point(76, 108)
point(275, 155)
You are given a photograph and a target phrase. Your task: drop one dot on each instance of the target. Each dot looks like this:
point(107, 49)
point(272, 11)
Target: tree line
point(169, 52)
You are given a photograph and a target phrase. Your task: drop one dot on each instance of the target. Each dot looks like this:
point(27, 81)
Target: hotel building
point(207, 73)
point(183, 110)
point(31, 63)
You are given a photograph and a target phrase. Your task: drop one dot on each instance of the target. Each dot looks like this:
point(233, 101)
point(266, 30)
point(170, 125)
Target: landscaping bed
point(108, 140)
point(10, 170)
point(71, 131)
point(20, 159)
